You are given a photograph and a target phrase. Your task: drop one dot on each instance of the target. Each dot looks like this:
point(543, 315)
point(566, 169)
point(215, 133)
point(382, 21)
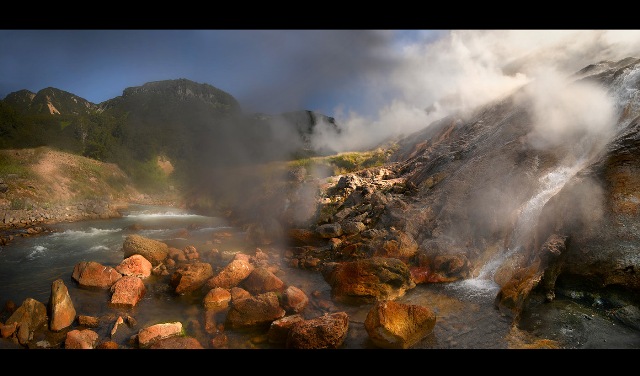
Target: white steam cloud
point(464, 69)
point(577, 113)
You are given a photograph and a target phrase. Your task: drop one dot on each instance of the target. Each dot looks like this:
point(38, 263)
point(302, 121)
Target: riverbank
point(37, 220)
point(42, 186)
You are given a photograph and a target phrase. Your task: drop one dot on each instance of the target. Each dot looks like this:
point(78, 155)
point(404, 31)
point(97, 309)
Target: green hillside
point(201, 131)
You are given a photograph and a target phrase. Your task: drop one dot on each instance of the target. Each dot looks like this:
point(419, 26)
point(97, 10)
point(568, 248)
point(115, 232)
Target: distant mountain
point(196, 126)
point(49, 101)
point(172, 92)
point(299, 128)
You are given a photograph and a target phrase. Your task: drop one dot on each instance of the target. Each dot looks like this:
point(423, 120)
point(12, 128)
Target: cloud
point(579, 114)
point(463, 69)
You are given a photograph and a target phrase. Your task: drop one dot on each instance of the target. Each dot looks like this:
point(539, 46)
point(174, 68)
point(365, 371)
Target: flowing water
point(466, 317)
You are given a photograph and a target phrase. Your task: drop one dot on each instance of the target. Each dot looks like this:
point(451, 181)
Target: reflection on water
point(466, 317)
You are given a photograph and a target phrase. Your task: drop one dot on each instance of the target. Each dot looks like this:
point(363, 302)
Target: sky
point(374, 82)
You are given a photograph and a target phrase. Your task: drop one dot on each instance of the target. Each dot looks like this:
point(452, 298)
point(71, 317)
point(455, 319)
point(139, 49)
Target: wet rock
point(393, 325)
point(177, 255)
point(294, 300)
point(81, 339)
point(108, 345)
point(232, 274)
point(399, 245)
point(127, 291)
point(368, 280)
point(302, 237)
point(441, 261)
point(8, 330)
point(513, 295)
point(279, 329)
point(255, 311)
point(63, 313)
point(217, 299)
point(154, 251)
point(89, 321)
point(191, 277)
point(135, 266)
point(114, 329)
point(210, 322)
point(239, 293)
point(92, 274)
point(261, 280)
point(29, 317)
point(191, 253)
point(325, 332)
point(219, 341)
point(150, 334)
point(628, 315)
point(178, 343)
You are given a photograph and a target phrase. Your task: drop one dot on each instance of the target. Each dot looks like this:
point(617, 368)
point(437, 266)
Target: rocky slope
point(496, 194)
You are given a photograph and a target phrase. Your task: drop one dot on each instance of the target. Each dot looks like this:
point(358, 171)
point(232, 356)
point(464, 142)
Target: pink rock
point(127, 291)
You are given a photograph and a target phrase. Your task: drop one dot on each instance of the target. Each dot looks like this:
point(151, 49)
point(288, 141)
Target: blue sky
point(268, 70)
point(372, 81)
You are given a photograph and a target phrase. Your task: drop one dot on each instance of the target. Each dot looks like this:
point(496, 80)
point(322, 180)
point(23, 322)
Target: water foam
point(38, 251)
point(85, 233)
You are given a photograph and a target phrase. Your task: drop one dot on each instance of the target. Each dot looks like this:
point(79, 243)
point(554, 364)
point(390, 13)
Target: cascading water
point(483, 284)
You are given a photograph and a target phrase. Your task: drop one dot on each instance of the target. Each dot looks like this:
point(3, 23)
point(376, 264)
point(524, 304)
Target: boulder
point(393, 325)
point(368, 280)
point(127, 291)
point(92, 274)
point(60, 307)
point(325, 332)
point(255, 311)
point(191, 277)
point(135, 266)
point(153, 250)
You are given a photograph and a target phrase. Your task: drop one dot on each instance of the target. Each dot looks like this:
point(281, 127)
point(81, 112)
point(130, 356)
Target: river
point(466, 317)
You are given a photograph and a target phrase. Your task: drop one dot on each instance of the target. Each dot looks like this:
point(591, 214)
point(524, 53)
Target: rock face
point(525, 275)
point(493, 187)
point(60, 306)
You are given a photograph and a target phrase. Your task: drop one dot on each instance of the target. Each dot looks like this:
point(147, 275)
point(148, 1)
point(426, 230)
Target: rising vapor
point(464, 69)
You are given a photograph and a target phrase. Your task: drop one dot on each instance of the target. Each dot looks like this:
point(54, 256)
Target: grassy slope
point(42, 177)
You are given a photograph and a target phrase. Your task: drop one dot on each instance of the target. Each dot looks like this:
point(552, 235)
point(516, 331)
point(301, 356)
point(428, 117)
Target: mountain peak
point(184, 89)
point(49, 100)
